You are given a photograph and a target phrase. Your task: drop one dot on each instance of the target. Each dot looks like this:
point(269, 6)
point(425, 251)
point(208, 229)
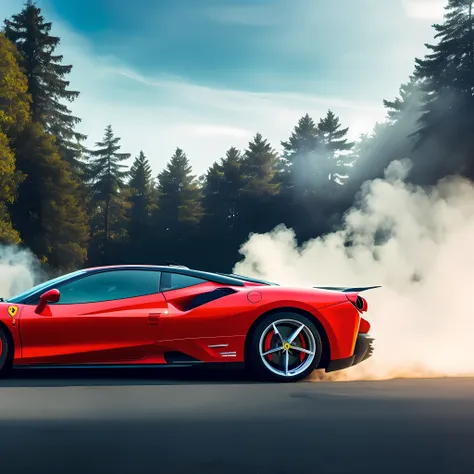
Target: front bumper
point(362, 351)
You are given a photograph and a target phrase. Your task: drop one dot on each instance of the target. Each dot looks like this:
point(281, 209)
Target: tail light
point(364, 326)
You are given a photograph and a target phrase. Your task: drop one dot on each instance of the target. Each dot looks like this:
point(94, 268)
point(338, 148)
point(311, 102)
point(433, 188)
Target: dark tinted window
point(175, 281)
point(110, 285)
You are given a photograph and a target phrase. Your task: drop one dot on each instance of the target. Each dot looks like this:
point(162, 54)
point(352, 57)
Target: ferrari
point(171, 315)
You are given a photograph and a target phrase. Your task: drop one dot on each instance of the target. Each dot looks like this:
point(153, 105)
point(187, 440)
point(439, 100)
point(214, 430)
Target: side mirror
point(51, 296)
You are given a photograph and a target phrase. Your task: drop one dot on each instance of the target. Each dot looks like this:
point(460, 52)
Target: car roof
point(180, 269)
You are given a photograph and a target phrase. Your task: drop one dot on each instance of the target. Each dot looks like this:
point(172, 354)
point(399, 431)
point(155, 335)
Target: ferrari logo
point(12, 310)
point(287, 346)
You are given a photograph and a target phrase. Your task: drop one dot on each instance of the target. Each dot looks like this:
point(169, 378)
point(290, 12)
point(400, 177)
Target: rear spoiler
point(351, 294)
point(345, 289)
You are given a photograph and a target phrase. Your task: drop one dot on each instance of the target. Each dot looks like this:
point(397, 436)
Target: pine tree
point(179, 193)
point(307, 200)
point(260, 168)
point(140, 174)
point(449, 68)
point(176, 221)
point(46, 79)
point(106, 174)
point(222, 189)
point(47, 213)
point(333, 137)
point(302, 167)
point(141, 198)
point(302, 175)
point(407, 105)
point(14, 98)
point(260, 187)
point(14, 115)
point(9, 181)
point(447, 73)
point(221, 224)
point(389, 140)
point(303, 141)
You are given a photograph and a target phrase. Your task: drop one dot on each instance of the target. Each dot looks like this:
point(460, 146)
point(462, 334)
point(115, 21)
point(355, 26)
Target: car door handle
point(153, 318)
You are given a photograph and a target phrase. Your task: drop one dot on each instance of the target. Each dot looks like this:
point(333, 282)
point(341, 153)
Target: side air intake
point(204, 298)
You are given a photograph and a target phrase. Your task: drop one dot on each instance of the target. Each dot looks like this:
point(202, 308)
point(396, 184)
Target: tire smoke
point(416, 243)
point(18, 270)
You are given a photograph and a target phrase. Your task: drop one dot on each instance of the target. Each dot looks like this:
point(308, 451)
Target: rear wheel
point(5, 354)
point(284, 347)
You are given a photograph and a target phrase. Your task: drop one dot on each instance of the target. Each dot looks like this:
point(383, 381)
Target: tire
point(272, 367)
point(6, 354)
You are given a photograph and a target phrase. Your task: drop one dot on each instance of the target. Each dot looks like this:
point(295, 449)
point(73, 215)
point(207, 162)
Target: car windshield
point(30, 291)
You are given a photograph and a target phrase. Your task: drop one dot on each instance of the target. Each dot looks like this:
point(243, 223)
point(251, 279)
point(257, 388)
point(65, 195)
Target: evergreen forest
point(75, 206)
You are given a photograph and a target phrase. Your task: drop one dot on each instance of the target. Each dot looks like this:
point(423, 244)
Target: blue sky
point(208, 74)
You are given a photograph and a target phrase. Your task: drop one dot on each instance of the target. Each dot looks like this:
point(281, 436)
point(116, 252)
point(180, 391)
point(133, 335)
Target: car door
point(105, 317)
point(197, 308)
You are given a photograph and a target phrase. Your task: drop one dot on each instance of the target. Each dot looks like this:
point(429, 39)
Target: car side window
point(109, 286)
point(176, 281)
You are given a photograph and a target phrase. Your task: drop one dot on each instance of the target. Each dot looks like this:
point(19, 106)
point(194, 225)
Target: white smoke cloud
point(422, 318)
point(18, 270)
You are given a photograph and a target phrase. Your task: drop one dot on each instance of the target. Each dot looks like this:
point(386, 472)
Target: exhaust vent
point(359, 302)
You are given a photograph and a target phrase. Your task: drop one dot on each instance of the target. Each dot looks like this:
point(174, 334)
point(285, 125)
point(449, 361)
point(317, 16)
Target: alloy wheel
point(287, 347)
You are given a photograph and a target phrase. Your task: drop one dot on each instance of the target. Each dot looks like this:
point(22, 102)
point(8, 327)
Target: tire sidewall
point(253, 360)
point(5, 353)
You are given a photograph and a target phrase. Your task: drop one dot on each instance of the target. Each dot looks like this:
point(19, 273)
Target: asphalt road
point(178, 422)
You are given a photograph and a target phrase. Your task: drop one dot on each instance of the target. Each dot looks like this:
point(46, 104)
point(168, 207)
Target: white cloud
point(215, 130)
point(157, 114)
point(425, 9)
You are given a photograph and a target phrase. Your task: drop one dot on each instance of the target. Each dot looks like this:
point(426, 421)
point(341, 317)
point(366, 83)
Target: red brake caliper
point(303, 345)
point(266, 344)
point(1, 347)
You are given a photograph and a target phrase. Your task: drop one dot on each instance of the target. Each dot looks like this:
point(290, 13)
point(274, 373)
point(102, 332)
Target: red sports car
point(140, 315)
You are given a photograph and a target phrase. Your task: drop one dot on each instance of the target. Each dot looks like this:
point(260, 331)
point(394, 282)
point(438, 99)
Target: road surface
point(174, 422)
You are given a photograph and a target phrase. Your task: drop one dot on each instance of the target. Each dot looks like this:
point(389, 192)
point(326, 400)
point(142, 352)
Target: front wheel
point(5, 354)
point(284, 347)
